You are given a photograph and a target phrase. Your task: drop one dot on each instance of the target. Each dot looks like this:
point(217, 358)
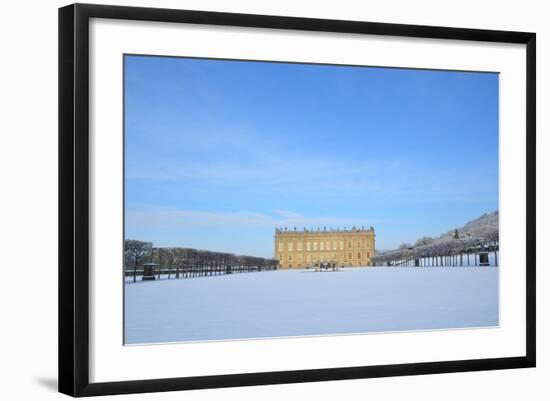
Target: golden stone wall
point(298, 249)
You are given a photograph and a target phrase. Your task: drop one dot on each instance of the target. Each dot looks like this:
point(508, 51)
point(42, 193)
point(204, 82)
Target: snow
point(305, 302)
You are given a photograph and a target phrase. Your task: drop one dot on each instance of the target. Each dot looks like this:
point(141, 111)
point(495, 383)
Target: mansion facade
point(306, 248)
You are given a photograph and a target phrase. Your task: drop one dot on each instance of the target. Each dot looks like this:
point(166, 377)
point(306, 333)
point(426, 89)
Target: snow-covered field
point(304, 302)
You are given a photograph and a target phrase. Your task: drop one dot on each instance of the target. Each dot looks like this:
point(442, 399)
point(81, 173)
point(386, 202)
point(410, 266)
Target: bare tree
point(136, 250)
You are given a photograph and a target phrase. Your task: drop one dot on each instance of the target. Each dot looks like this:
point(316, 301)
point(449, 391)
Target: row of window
point(323, 245)
point(321, 257)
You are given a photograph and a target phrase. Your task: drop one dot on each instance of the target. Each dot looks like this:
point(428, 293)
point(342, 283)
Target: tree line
point(188, 262)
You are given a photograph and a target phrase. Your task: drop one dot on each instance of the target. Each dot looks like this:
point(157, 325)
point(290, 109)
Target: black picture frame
point(74, 198)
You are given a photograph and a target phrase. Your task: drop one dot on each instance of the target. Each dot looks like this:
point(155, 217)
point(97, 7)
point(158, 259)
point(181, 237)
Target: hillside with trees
point(478, 235)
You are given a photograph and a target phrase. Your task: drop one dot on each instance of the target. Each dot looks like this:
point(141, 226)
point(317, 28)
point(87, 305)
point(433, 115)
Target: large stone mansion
point(352, 247)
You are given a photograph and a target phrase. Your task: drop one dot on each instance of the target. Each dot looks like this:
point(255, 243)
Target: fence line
point(466, 259)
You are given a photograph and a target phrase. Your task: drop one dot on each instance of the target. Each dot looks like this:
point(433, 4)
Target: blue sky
point(219, 153)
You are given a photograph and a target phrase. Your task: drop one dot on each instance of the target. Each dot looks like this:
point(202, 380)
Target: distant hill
point(479, 227)
point(480, 231)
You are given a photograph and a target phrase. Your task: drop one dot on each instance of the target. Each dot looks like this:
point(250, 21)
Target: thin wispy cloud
point(385, 179)
point(278, 218)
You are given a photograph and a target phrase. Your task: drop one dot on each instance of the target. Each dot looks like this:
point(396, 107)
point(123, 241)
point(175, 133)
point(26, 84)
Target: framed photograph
point(251, 199)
